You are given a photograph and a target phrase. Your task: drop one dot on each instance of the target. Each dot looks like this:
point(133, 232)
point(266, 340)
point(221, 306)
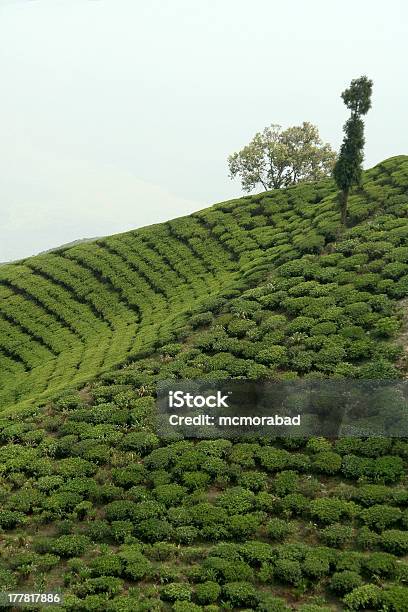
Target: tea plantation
point(94, 505)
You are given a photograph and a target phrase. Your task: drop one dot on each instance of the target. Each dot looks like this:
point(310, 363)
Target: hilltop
point(94, 503)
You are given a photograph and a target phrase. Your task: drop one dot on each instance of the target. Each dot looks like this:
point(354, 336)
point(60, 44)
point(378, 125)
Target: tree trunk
point(343, 206)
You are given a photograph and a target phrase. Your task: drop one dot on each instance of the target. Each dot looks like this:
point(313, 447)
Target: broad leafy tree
point(278, 158)
point(348, 168)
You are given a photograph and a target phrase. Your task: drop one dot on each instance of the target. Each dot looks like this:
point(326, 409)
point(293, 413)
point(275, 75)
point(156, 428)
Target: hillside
point(67, 315)
point(263, 287)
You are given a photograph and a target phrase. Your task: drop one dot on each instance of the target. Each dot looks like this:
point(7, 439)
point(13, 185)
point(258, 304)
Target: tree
point(348, 168)
point(276, 158)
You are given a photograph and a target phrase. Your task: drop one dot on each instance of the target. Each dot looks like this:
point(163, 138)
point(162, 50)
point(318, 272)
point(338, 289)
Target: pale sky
point(116, 114)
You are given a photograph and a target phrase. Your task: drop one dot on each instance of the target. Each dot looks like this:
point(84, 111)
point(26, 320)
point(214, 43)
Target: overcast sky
point(115, 114)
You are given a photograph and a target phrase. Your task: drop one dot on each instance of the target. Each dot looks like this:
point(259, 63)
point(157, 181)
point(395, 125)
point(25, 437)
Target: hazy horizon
point(116, 114)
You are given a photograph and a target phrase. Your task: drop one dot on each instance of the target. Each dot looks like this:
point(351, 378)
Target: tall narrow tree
point(348, 168)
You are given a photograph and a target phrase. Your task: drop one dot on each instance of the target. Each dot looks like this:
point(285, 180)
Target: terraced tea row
point(66, 315)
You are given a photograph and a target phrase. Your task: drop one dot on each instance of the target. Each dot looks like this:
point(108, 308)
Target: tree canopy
point(278, 158)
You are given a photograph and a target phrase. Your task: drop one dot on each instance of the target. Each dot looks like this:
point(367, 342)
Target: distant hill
point(67, 245)
point(52, 250)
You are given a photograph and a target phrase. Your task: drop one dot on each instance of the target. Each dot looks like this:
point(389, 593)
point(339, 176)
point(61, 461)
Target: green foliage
point(270, 603)
point(380, 564)
point(207, 592)
point(315, 565)
point(236, 500)
point(8, 580)
point(344, 582)
point(365, 596)
point(330, 510)
point(336, 535)
point(176, 591)
point(107, 565)
point(240, 594)
point(395, 598)
point(348, 168)
point(169, 494)
point(285, 482)
point(244, 526)
point(395, 541)
point(276, 158)
point(327, 462)
point(278, 529)
point(70, 545)
point(380, 516)
point(288, 571)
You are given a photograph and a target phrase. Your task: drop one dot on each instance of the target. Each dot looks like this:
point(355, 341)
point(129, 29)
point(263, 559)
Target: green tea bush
point(154, 530)
point(380, 564)
point(365, 596)
point(395, 598)
point(236, 500)
point(285, 482)
point(208, 514)
point(176, 591)
point(128, 476)
point(330, 510)
point(70, 545)
point(244, 454)
point(380, 516)
point(121, 510)
point(288, 571)
point(243, 526)
point(74, 466)
point(240, 594)
point(196, 480)
point(207, 592)
point(336, 535)
point(315, 566)
point(253, 480)
point(140, 441)
point(345, 581)
point(106, 565)
point(371, 494)
point(256, 552)
point(9, 519)
point(169, 494)
point(295, 503)
point(273, 459)
point(395, 541)
point(348, 560)
point(367, 539)
point(185, 534)
point(223, 570)
point(327, 462)
point(318, 445)
point(279, 529)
